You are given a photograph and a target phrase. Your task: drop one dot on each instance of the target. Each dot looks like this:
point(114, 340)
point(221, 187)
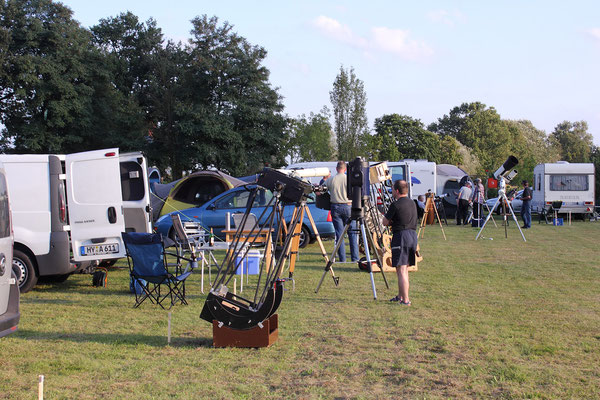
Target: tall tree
point(44, 82)
point(573, 140)
point(311, 138)
point(349, 102)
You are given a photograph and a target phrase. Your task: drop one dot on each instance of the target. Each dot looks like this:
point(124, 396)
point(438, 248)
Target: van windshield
point(564, 183)
point(398, 172)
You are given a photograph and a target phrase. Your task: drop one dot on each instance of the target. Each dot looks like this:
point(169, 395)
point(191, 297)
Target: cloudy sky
point(530, 59)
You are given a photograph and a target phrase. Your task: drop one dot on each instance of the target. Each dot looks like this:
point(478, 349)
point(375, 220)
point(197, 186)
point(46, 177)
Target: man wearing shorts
point(402, 217)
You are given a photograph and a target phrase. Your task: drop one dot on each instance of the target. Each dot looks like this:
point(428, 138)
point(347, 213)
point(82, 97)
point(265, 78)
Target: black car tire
point(24, 271)
point(304, 237)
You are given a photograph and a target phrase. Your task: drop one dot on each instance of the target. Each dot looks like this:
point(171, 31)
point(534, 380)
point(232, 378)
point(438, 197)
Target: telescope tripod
point(429, 204)
point(505, 204)
point(295, 227)
point(367, 238)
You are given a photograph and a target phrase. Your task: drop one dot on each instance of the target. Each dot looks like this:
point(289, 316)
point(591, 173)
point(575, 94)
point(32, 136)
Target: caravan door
point(136, 192)
point(95, 204)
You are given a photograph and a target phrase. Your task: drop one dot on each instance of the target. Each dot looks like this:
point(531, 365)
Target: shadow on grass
point(115, 339)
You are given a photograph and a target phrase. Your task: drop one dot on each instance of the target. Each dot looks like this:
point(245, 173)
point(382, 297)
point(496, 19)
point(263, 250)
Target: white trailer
point(570, 183)
point(69, 210)
point(423, 177)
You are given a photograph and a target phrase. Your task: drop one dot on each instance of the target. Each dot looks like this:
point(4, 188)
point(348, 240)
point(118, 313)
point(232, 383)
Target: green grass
point(496, 318)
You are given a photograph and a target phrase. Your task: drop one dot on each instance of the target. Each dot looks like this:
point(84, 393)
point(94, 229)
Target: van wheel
point(24, 271)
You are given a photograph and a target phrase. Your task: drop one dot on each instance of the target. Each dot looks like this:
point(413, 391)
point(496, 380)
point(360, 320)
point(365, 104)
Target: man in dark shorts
point(402, 217)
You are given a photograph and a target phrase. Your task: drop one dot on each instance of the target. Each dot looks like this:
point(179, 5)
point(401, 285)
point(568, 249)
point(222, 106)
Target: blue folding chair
point(147, 262)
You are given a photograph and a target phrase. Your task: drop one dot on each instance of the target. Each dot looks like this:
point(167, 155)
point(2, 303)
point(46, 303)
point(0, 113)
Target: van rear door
point(136, 192)
point(95, 204)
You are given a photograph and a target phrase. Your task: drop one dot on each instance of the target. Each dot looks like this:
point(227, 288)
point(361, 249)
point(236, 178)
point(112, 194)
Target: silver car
point(9, 290)
point(516, 203)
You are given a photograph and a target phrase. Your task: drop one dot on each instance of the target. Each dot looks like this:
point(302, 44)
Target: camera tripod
point(505, 204)
point(358, 216)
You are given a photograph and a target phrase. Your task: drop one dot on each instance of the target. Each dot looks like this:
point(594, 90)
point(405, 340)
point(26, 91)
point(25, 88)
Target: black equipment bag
point(323, 201)
point(100, 277)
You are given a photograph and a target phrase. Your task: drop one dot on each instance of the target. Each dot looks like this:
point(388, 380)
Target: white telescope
point(306, 173)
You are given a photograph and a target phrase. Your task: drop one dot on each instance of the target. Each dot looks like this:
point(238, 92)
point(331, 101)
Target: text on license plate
point(99, 249)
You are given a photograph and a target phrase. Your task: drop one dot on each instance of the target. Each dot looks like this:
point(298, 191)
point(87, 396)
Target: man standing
point(526, 207)
point(402, 217)
point(464, 197)
point(340, 212)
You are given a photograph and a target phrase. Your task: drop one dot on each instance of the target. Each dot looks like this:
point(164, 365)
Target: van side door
point(95, 204)
point(136, 192)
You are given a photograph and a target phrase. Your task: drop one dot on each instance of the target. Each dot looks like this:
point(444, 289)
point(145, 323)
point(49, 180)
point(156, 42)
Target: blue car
point(212, 214)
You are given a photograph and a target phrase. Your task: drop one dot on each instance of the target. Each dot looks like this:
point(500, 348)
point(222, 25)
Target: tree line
point(209, 103)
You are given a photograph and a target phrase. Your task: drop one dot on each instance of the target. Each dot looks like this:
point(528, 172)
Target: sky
point(529, 59)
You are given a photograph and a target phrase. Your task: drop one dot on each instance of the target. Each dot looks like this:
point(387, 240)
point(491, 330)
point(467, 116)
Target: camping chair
point(147, 261)
point(187, 237)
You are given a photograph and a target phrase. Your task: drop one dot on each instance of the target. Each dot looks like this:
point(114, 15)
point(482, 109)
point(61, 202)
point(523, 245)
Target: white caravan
point(573, 184)
point(69, 210)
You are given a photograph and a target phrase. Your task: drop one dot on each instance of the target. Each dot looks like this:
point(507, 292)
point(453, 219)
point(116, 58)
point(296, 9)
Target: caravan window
point(563, 183)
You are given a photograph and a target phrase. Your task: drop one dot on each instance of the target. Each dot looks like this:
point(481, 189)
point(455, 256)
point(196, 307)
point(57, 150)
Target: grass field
point(490, 319)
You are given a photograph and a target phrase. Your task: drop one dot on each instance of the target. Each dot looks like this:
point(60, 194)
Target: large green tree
point(573, 140)
point(311, 138)
point(531, 146)
point(228, 114)
point(45, 86)
point(480, 129)
point(349, 102)
point(408, 138)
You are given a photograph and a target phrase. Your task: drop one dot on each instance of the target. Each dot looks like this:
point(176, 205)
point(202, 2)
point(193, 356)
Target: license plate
point(100, 249)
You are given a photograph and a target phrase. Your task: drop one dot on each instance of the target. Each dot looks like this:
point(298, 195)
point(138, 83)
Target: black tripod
point(358, 216)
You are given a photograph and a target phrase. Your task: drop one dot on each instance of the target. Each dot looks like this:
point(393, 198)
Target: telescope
point(505, 170)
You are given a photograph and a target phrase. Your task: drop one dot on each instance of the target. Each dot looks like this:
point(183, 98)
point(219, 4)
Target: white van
point(9, 290)
point(570, 183)
point(423, 177)
point(69, 210)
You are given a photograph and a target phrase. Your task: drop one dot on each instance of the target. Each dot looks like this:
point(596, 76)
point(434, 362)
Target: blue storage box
point(557, 222)
point(251, 263)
